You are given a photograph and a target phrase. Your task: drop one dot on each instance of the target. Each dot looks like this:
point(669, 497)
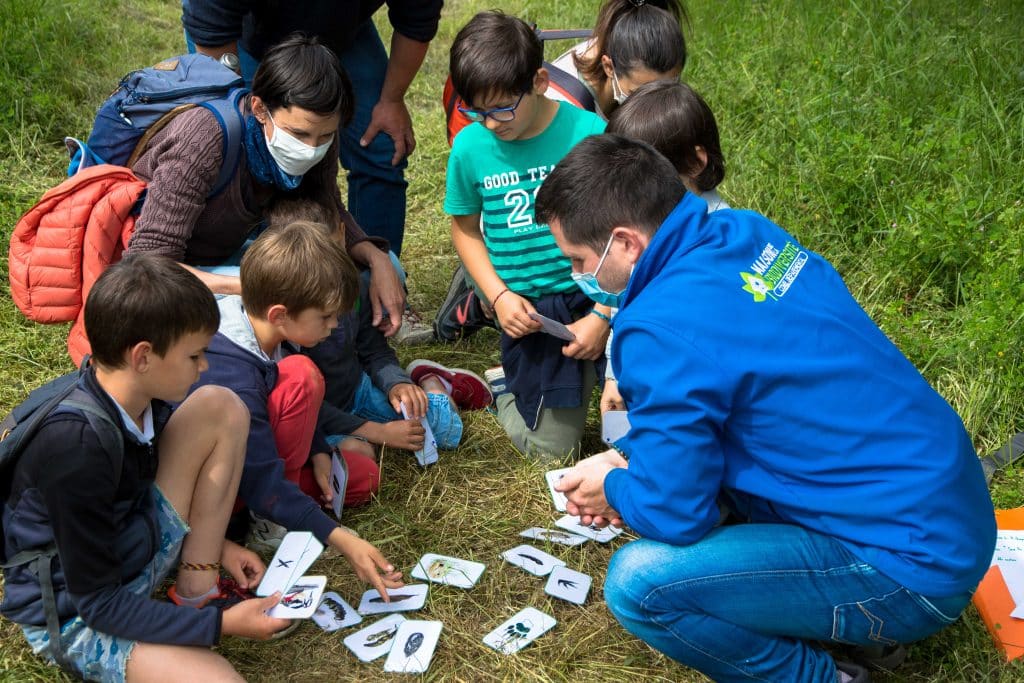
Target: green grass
point(888, 136)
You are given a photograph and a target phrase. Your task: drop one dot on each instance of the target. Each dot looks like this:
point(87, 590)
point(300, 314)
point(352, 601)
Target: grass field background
point(888, 136)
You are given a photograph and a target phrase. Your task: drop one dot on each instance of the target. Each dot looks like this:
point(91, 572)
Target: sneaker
point(496, 380)
point(880, 657)
point(264, 536)
point(461, 313)
point(848, 672)
point(468, 390)
point(228, 594)
point(413, 331)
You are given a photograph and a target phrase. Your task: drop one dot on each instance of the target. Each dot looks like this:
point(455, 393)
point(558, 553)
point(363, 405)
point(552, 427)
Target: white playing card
point(450, 571)
point(554, 535)
point(334, 613)
point(572, 524)
point(614, 425)
point(403, 599)
point(370, 642)
point(519, 631)
point(553, 327)
point(297, 553)
point(568, 584)
point(339, 481)
point(536, 562)
point(413, 647)
point(301, 599)
point(553, 477)
point(428, 454)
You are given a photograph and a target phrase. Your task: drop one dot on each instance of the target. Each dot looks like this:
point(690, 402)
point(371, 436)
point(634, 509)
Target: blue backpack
point(148, 99)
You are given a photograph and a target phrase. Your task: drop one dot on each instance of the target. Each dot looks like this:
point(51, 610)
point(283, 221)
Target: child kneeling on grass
point(364, 384)
point(295, 281)
point(120, 526)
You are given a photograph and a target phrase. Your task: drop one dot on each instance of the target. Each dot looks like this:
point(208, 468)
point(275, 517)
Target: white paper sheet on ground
point(428, 454)
point(1009, 557)
point(334, 613)
point(568, 584)
point(301, 599)
point(375, 640)
point(553, 477)
point(572, 524)
point(448, 570)
point(536, 562)
point(297, 553)
point(554, 535)
point(339, 482)
point(413, 647)
point(519, 631)
point(403, 599)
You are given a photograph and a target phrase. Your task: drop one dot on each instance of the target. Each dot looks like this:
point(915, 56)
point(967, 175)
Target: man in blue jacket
point(754, 379)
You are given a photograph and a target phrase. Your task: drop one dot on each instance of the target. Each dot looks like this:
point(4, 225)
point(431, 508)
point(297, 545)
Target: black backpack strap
point(563, 34)
point(571, 86)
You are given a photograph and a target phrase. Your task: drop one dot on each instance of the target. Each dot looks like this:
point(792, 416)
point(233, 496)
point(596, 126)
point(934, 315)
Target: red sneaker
point(228, 594)
point(469, 391)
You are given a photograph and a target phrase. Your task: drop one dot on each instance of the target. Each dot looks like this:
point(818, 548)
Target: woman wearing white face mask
point(634, 42)
point(300, 96)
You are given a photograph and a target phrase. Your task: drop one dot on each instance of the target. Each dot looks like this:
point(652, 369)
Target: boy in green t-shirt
point(495, 168)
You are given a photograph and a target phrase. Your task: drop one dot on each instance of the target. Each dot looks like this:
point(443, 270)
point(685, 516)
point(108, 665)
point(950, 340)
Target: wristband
point(494, 301)
point(601, 315)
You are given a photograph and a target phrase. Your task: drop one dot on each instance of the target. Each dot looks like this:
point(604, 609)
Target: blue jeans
point(373, 404)
point(745, 602)
point(376, 189)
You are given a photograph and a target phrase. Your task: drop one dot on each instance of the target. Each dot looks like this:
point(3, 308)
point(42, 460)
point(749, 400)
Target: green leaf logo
point(756, 285)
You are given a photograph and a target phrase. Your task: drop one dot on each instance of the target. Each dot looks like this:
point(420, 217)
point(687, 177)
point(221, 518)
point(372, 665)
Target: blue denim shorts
point(101, 657)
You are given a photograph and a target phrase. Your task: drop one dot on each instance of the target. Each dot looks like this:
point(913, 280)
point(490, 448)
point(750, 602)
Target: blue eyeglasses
point(500, 114)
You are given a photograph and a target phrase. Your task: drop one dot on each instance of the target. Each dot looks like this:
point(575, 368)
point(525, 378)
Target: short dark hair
point(494, 54)
point(145, 297)
point(301, 72)
point(637, 34)
point(608, 181)
point(299, 266)
point(674, 119)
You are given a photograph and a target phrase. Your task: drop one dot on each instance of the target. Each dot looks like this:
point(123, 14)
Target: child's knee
point(355, 445)
point(220, 406)
point(299, 374)
point(363, 479)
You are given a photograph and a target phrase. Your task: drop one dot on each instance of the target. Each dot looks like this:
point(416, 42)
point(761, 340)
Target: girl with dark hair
point(299, 98)
point(634, 42)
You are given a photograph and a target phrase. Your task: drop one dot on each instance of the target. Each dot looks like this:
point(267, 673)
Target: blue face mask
point(587, 282)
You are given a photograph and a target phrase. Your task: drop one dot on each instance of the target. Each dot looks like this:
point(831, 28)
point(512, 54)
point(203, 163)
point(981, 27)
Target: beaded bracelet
point(601, 315)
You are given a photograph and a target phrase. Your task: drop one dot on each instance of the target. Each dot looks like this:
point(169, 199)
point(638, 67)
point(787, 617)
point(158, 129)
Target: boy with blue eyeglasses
point(495, 168)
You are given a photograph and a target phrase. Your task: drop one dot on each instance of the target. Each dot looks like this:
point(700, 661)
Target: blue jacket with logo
point(749, 369)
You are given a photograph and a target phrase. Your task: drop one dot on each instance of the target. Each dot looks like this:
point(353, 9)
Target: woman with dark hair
point(634, 42)
point(300, 96)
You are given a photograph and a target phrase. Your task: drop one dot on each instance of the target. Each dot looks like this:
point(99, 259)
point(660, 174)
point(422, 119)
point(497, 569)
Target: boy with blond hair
point(295, 282)
point(495, 168)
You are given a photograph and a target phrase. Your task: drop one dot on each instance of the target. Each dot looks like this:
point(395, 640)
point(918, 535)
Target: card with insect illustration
point(450, 571)
point(572, 524)
point(301, 599)
point(539, 533)
point(334, 613)
point(568, 584)
point(375, 640)
point(339, 482)
point(403, 599)
point(296, 554)
point(519, 631)
point(413, 647)
point(553, 477)
point(536, 562)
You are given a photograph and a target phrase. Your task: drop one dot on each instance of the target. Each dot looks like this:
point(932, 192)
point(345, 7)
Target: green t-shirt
point(499, 180)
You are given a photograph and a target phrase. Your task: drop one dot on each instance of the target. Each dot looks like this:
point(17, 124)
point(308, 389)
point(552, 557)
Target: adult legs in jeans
point(745, 602)
point(293, 406)
point(376, 189)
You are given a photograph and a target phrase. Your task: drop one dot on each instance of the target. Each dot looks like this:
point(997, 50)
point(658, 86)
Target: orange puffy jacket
point(62, 244)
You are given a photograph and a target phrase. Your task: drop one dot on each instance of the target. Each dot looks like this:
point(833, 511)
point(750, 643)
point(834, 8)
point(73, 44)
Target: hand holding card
point(553, 327)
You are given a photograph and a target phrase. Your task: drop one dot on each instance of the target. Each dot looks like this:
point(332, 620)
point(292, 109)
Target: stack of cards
point(450, 571)
point(405, 599)
point(519, 631)
point(300, 595)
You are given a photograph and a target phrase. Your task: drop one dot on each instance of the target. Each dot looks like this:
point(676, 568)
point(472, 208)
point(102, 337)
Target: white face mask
point(292, 155)
point(617, 93)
